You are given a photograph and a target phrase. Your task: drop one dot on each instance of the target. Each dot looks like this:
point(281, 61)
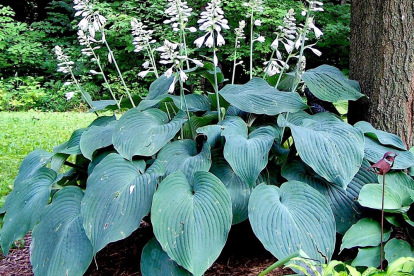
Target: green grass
point(23, 132)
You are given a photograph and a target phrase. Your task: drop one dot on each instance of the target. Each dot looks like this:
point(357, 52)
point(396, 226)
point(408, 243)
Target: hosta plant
point(198, 163)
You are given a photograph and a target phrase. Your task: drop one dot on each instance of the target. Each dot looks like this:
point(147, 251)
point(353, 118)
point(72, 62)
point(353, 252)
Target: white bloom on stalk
point(261, 39)
point(255, 5)
point(65, 65)
point(258, 22)
point(315, 5)
point(91, 20)
point(69, 95)
point(240, 30)
point(142, 37)
point(143, 74)
point(179, 12)
point(316, 30)
point(212, 20)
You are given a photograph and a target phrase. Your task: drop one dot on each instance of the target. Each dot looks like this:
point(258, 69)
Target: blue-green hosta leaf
point(329, 84)
point(258, 97)
point(368, 257)
point(96, 137)
point(292, 217)
point(383, 137)
point(332, 148)
point(103, 120)
point(401, 184)
point(193, 224)
point(213, 133)
point(182, 155)
point(24, 206)
point(154, 261)
point(31, 164)
point(238, 189)
point(366, 232)
point(60, 245)
point(57, 161)
point(193, 102)
point(159, 87)
point(101, 105)
point(190, 127)
point(395, 249)
point(344, 206)
point(247, 154)
point(117, 197)
point(374, 152)
point(144, 133)
point(371, 196)
point(71, 147)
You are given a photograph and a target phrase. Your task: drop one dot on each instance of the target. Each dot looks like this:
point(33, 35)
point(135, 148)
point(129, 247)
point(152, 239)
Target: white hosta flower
point(197, 62)
point(146, 64)
point(261, 39)
point(168, 73)
point(183, 76)
point(172, 86)
point(142, 37)
point(65, 65)
point(315, 51)
point(168, 52)
point(212, 21)
point(191, 29)
point(69, 95)
point(255, 5)
point(258, 22)
point(92, 21)
point(67, 83)
point(316, 30)
point(179, 12)
point(316, 5)
point(240, 30)
point(95, 72)
point(143, 74)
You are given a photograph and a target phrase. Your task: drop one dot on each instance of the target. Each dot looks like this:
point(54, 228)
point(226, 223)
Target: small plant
point(198, 163)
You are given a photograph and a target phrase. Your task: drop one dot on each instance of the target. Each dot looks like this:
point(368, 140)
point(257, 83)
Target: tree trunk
point(382, 61)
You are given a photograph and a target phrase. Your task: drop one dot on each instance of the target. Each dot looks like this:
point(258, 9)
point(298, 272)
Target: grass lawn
point(23, 132)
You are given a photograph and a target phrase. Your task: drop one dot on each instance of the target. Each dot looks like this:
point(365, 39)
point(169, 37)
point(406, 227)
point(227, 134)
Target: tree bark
point(382, 61)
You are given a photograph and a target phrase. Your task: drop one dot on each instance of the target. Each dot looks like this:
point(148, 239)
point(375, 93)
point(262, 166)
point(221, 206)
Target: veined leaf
point(71, 147)
point(374, 151)
point(24, 206)
point(159, 87)
point(367, 257)
point(401, 184)
point(247, 154)
point(182, 156)
point(396, 248)
point(329, 84)
point(292, 217)
point(366, 232)
point(59, 235)
point(144, 133)
point(117, 197)
point(332, 148)
point(192, 226)
point(154, 261)
point(383, 137)
point(96, 137)
point(258, 97)
point(344, 203)
point(238, 189)
point(371, 196)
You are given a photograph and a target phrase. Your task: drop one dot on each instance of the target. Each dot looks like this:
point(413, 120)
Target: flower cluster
point(170, 55)
point(255, 5)
point(85, 40)
point(240, 30)
point(179, 12)
point(142, 37)
point(65, 65)
point(212, 19)
point(92, 21)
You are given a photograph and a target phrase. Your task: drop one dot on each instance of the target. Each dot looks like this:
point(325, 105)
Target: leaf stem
point(234, 61)
point(215, 83)
point(279, 263)
point(251, 45)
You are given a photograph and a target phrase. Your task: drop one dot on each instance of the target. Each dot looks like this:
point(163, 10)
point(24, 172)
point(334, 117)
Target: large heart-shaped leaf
point(31, 164)
point(401, 184)
point(191, 102)
point(374, 152)
point(117, 197)
point(344, 206)
point(238, 189)
point(159, 87)
point(258, 97)
point(59, 235)
point(96, 137)
point(367, 257)
point(154, 261)
point(144, 133)
point(24, 206)
point(247, 154)
point(193, 224)
point(396, 248)
point(329, 84)
point(332, 148)
point(366, 232)
point(371, 196)
point(292, 217)
point(190, 127)
point(182, 156)
point(72, 145)
point(383, 137)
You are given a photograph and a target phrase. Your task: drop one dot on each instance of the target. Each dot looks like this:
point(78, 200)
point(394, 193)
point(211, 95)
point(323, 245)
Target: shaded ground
point(242, 256)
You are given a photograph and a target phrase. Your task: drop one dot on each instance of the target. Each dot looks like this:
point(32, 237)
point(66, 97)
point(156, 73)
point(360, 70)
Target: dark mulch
point(242, 256)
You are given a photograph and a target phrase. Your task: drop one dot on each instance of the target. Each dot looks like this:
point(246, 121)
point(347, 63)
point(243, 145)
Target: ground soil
point(243, 255)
